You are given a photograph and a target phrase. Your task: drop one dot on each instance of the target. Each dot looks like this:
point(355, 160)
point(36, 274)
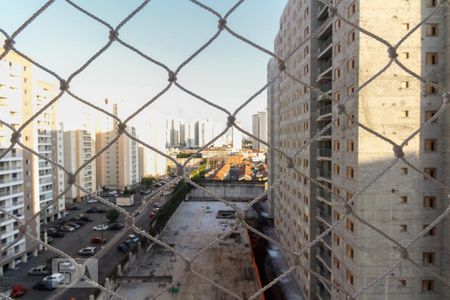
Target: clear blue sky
point(227, 73)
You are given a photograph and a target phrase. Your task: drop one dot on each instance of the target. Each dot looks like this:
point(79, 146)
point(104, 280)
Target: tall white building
point(259, 129)
point(117, 167)
point(337, 60)
point(79, 147)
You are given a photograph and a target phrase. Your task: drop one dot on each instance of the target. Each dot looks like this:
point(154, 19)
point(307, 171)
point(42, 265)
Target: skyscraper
point(259, 129)
point(337, 60)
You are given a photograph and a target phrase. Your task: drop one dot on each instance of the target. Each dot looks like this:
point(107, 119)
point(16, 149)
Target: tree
point(112, 214)
point(147, 180)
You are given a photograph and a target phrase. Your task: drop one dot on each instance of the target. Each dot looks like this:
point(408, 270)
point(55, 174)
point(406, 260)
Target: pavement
point(71, 243)
point(193, 226)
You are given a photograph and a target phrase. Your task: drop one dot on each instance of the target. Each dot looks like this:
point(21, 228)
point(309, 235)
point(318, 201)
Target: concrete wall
point(229, 190)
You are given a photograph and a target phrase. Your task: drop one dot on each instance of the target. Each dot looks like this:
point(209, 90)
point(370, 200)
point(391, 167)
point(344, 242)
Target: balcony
point(324, 173)
point(324, 45)
point(322, 12)
point(326, 87)
point(326, 133)
point(324, 152)
point(325, 110)
point(325, 66)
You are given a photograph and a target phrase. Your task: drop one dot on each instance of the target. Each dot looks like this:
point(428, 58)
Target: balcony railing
point(324, 172)
point(324, 152)
point(326, 109)
point(325, 44)
point(326, 87)
point(326, 133)
point(325, 194)
point(325, 66)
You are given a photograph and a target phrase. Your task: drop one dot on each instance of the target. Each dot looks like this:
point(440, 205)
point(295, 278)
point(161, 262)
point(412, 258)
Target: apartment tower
point(117, 167)
point(346, 158)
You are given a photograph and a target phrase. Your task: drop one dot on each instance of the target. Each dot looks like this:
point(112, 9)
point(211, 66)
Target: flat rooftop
point(193, 226)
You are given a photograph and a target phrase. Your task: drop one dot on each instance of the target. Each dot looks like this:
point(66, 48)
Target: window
point(337, 239)
point(402, 282)
point(306, 69)
point(350, 146)
point(403, 199)
point(349, 277)
point(350, 172)
point(429, 114)
point(432, 3)
point(430, 145)
point(403, 227)
point(337, 96)
point(405, 26)
point(429, 201)
point(431, 29)
point(349, 251)
point(337, 169)
point(431, 58)
point(336, 145)
point(337, 263)
point(404, 84)
point(350, 90)
point(337, 48)
point(351, 64)
point(432, 172)
point(351, 9)
point(430, 89)
point(336, 215)
point(337, 24)
point(405, 55)
point(337, 73)
point(306, 33)
point(405, 113)
point(404, 171)
point(427, 285)
point(351, 37)
point(428, 257)
point(349, 225)
point(306, 51)
point(431, 232)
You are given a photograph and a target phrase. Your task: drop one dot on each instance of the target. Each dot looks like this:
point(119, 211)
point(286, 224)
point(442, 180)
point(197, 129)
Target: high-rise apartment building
point(79, 147)
point(29, 185)
point(346, 158)
point(117, 167)
point(259, 129)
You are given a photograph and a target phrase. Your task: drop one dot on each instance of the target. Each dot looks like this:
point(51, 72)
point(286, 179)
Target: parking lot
point(71, 243)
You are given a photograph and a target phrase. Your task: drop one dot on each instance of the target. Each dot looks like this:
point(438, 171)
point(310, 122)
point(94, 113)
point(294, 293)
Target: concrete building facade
point(118, 166)
point(346, 158)
point(259, 129)
point(79, 147)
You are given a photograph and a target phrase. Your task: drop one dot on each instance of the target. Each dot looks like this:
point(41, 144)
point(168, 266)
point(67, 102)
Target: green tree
point(112, 214)
point(147, 180)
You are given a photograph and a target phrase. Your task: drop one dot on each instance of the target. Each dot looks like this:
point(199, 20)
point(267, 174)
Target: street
point(71, 243)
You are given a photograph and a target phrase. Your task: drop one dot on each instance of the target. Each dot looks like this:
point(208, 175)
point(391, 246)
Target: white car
point(92, 200)
point(100, 227)
point(55, 278)
point(66, 266)
point(88, 251)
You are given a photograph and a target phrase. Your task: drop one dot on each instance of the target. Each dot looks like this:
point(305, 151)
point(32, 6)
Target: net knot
point(281, 65)
point(332, 11)
point(392, 52)
point(71, 179)
point(9, 43)
point(113, 35)
point(222, 24)
point(239, 217)
point(121, 128)
point(230, 120)
point(63, 85)
point(15, 137)
point(348, 209)
point(398, 151)
point(180, 170)
point(403, 253)
point(172, 77)
point(290, 162)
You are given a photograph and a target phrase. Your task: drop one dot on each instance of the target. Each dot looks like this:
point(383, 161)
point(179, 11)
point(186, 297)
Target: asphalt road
point(70, 244)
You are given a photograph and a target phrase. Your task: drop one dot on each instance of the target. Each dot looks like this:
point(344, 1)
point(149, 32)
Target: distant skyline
point(227, 73)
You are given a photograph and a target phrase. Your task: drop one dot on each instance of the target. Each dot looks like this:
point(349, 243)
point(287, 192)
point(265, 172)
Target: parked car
point(100, 227)
point(123, 247)
point(92, 210)
point(98, 240)
point(66, 266)
point(81, 223)
point(101, 211)
point(67, 228)
point(85, 219)
point(39, 270)
point(18, 291)
point(130, 243)
point(116, 226)
point(152, 215)
point(88, 251)
point(167, 193)
point(74, 207)
point(134, 238)
point(156, 210)
point(74, 225)
point(52, 229)
point(157, 205)
point(92, 200)
point(43, 286)
point(57, 234)
point(54, 279)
